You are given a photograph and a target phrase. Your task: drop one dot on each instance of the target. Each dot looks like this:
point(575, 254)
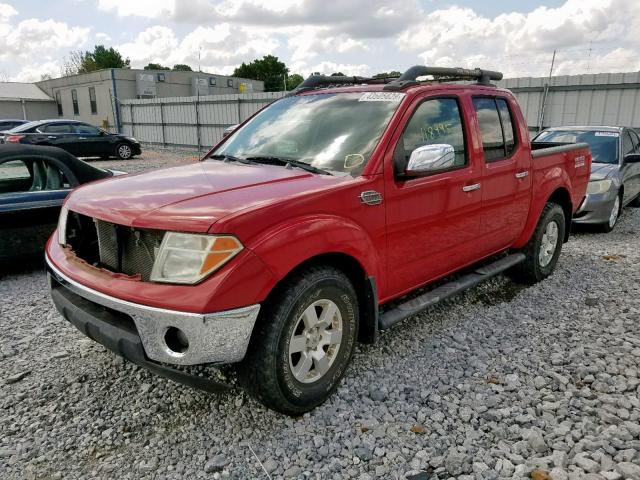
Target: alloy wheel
point(549, 244)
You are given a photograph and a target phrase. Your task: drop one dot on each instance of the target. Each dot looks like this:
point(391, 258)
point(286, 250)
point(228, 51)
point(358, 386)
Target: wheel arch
point(561, 196)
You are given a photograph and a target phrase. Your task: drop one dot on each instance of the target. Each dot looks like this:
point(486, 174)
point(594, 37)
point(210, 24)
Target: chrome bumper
point(220, 337)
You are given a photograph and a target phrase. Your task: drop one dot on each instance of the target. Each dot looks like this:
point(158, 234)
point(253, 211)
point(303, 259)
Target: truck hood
point(601, 171)
point(191, 197)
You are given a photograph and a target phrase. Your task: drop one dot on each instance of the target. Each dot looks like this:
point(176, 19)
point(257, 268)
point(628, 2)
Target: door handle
point(82, 138)
point(522, 174)
point(51, 136)
point(471, 188)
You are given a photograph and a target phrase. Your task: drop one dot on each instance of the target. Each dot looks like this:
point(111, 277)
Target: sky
point(355, 37)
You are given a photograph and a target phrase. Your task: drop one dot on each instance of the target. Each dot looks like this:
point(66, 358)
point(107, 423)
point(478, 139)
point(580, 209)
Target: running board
point(419, 303)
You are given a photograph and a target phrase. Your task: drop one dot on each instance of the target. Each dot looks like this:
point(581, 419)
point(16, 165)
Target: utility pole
point(545, 93)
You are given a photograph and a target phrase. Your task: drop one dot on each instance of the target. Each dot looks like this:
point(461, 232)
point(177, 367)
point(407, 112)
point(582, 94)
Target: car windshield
point(603, 144)
point(335, 132)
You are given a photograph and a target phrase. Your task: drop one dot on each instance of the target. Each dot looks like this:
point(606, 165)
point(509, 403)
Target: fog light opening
point(176, 340)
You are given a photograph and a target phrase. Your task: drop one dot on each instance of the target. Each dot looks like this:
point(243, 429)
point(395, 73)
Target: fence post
point(198, 119)
point(133, 125)
point(239, 110)
point(164, 143)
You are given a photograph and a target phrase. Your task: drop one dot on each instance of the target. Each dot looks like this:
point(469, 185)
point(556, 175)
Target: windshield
point(336, 132)
point(603, 145)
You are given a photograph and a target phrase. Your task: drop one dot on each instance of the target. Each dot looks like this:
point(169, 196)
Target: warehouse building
point(25, 101)
point(91, 97)
point(592, 99)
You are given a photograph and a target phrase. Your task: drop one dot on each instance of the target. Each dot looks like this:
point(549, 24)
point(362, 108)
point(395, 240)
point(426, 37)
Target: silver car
point(615, 171)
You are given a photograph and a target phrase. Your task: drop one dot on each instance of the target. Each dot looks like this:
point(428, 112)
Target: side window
point(92, 100)
point(507, 126)
point(57, 128)
point(627, 143)
point(490, 129)
point(86, 129)
point(636, 141)
point(74, 99)
point(434, 121)
point(15, 176)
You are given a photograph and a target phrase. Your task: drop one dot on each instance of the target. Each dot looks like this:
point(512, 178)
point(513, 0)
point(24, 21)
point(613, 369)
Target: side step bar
point(417, 304)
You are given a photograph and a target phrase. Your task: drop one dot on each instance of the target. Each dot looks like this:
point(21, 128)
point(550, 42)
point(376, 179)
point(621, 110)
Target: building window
point(74, 99)
point(92, 100)
point(212, 81)
point(161, 77)
point(230, 82)
point(59, 104)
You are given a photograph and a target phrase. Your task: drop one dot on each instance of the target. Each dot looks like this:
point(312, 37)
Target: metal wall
point(595, 99)
point(189, 121)
point(28, 109)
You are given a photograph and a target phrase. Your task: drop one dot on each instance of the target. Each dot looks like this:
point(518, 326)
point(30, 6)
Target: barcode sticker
point(607, 134)
point(381, 97)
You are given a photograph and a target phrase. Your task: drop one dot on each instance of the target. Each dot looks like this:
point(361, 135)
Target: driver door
point(433, 221)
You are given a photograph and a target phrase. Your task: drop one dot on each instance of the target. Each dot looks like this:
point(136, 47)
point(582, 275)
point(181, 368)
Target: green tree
point(337, 74)
point(155, 66)
point(391, 74)
point(269, 69)
point(99, 59)
point(294, 80)
point(182, 67)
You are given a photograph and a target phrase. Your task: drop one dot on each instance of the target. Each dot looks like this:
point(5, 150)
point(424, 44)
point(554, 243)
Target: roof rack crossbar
point(409, 77)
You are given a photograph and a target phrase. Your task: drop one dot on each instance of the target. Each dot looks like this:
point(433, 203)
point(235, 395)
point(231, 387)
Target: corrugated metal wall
point(189, 121)
point(596, 99)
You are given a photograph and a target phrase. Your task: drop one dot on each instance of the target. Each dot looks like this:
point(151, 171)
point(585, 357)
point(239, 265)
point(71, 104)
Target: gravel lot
point(501, 382)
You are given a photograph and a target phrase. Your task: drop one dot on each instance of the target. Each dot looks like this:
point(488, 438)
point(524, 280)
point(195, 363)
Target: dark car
point(34, 181)
point(615, 171)
point(78, 138)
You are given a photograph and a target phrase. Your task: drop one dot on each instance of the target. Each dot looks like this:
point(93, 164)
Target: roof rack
point(407, 79)
point(318, 81)
point(442, 74)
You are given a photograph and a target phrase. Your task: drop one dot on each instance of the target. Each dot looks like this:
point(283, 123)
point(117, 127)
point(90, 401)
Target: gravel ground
point(501, 382)
point(150, 158)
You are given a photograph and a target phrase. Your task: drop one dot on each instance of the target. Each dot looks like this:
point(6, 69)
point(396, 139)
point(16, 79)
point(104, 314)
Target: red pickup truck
point(339, 210)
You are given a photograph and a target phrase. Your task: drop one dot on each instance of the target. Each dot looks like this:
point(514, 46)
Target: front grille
point(114, 247)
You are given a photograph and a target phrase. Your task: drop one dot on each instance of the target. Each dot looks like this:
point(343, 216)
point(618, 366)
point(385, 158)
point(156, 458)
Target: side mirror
point(632, 158)
point(430, 158)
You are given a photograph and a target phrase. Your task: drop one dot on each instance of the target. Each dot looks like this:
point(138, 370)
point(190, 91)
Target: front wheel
point(614, 215)
point(544, 247)
point(124, 151)
point(303, 342)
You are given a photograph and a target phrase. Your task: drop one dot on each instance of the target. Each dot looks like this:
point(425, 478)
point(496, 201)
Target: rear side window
point(57, 128)
point(434, 121)
point(496, 128)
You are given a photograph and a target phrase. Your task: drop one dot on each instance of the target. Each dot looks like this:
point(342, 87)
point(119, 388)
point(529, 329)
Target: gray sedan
point(615, 171)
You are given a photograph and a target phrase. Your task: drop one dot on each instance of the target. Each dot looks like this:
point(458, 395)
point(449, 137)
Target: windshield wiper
point(272, 160)
point(229, 158)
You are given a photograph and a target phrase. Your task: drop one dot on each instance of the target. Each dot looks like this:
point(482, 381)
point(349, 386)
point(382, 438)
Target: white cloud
point(140, 8)
point(6, 12)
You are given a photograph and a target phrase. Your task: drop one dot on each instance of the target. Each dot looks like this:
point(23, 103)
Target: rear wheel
point(614, 215)
point(124, 151)
point(303, 342)
point(544, 247)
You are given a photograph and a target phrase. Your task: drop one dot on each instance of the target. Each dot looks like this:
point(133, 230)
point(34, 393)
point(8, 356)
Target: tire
point(616, 211)
point(538, 265)
point(635, 203)
point(124, 151)
point(273, 370)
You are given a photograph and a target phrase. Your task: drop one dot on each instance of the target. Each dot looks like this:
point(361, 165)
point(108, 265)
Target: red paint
point(425, 228)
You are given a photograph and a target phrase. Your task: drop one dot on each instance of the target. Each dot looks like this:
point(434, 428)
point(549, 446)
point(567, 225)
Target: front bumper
point(220, 337)
point(596, 208)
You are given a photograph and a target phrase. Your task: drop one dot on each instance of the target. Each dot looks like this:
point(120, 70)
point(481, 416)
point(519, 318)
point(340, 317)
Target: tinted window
point(14, 177)
point(507, 126)
point(434, 121)
point(86, 129)
point(627, 143)
point(57, 128)
point(490, 129)
point(603, 145)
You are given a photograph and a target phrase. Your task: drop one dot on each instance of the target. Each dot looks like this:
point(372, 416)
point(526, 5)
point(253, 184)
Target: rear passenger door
point(506, 173)
point(630, 171)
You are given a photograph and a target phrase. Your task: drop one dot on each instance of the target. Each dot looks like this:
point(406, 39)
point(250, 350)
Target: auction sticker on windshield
point(607, 134)
point(381, 97)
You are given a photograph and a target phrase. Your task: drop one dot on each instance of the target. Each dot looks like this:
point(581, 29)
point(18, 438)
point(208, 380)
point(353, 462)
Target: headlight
point(62, 225)
point(599, 186)
point(188, 257)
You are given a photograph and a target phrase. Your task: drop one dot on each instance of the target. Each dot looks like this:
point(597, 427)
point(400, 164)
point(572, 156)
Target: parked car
point(78, 138)
point(615, 172)
point(316, 223)
point(34, 181)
